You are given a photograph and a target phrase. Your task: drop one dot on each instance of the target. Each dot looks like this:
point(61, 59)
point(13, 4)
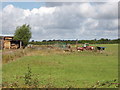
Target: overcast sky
point(62, 20)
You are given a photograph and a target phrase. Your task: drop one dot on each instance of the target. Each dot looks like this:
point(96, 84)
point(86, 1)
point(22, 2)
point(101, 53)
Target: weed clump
point(29, 80)
point(111, 83)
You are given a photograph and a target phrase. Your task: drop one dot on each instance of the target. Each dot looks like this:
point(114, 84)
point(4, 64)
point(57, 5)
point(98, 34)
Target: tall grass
point(12, 55)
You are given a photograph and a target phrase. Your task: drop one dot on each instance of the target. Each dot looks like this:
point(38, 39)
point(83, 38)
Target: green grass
point(77, 69)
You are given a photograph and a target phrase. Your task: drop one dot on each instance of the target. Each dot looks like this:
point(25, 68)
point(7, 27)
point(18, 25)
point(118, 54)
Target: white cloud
point(107, 10)
point(87, 10)
point(67, 21)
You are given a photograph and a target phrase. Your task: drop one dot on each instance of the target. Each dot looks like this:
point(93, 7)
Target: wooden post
point(76, 42)
point(20, 44)
point(9, 44)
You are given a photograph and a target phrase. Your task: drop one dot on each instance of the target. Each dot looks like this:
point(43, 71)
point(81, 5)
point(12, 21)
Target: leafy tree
point(23, 33)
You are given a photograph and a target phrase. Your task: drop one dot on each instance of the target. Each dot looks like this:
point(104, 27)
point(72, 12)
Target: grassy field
point(55, 68)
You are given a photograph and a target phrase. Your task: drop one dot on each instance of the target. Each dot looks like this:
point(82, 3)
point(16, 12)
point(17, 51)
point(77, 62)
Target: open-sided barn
point(7, 42)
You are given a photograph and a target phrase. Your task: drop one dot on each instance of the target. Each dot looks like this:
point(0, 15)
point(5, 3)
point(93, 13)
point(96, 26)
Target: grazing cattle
point(85, 48)
point(101, 48)
point(89, 48)
point(80, 48)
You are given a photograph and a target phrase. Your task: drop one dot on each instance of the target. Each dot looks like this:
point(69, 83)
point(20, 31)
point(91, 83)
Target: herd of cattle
point(90, 48)
point(86, 47)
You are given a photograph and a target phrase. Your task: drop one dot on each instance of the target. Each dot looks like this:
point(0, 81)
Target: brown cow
point(80, 48)
point(89, 48)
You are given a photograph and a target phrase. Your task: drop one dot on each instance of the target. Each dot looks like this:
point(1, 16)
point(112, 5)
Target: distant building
point(7, 42)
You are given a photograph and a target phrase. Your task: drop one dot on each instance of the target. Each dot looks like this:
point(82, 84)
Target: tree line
point(95, 41)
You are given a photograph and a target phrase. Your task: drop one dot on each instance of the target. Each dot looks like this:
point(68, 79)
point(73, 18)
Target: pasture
point(58, 69)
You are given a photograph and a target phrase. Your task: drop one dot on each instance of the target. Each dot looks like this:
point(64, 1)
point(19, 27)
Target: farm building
point(7, 42)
